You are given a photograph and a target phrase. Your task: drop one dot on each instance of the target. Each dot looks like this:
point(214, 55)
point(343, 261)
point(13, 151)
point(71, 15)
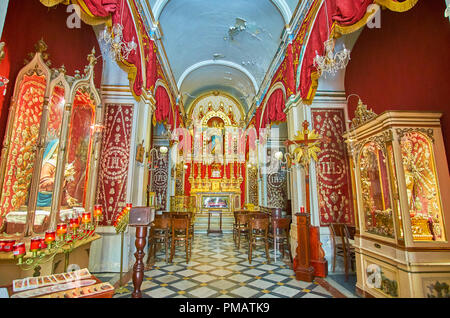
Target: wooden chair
point(280, 234)
point(241, 227)
point(181, 225)
point(342, 246)
point(159, 234)
point(258, 235)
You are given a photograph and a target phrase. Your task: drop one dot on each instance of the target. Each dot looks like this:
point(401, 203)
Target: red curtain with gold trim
point(163, 110)
point(274, 111)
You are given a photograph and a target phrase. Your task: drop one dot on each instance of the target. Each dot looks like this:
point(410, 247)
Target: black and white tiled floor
point(217, 269)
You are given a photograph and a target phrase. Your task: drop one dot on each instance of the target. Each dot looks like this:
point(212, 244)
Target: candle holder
point(121, 224)
point(64, 239)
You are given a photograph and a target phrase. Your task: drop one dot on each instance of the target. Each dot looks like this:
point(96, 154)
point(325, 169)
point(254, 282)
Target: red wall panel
point(405, 64)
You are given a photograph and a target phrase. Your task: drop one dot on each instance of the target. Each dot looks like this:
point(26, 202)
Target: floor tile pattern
point(217, 269)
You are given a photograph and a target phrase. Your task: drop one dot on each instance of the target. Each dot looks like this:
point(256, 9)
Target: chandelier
point(118, 48)
point(331, 62)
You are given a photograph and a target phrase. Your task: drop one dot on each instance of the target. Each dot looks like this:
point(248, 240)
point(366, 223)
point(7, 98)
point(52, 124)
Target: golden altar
point(214, 194)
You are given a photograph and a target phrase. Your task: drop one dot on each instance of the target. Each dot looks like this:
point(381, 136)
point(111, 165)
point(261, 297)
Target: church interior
point(224, 149)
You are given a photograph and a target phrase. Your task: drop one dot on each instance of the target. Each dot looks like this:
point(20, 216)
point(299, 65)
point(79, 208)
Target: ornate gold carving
point(362, 115)
point(40, 47)
point(401, 132)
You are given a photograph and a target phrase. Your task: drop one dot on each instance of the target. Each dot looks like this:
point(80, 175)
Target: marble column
point(296, 114)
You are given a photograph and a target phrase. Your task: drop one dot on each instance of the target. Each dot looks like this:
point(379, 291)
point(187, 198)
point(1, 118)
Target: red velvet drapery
point(163, 110)
point(319, 34)
point(274, 111)
point(290, 79)
point(120, 13)
point(348, 12)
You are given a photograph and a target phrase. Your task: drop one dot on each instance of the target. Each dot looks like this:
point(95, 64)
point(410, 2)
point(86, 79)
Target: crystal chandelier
point(331, 62)
point(118, 49)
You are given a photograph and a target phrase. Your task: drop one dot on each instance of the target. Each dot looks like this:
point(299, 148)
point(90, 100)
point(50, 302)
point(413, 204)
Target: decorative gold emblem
point(362, 115)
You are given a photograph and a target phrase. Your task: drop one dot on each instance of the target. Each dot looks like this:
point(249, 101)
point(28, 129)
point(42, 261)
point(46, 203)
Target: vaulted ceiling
point(221, 45)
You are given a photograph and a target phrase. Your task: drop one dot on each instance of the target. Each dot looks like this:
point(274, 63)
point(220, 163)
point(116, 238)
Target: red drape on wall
point(163, 107)
point(319, 34)
point(343, 12)
point(274, 111)
point(150, 52)
point(348, 12)
point(290, 80)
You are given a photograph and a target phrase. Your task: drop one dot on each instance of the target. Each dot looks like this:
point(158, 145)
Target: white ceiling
point(208, 49)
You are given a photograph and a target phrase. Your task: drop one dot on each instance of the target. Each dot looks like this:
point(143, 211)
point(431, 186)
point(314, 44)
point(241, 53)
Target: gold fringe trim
point(397, 6)
point(51, 3)
point(131, 70)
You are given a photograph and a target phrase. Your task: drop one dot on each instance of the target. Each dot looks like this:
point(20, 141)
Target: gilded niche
point(375, 191)
point(421, 187)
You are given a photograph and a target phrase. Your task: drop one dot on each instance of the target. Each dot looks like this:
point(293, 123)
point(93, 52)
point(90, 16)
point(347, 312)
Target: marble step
point(201, 223)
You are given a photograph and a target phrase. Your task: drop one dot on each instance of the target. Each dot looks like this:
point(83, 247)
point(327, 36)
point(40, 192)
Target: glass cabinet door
point(422, 189)
point(376, 199)
point(78, 153)
point(50, 157)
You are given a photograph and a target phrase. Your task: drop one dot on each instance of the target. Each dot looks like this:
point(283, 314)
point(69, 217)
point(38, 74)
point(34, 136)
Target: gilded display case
point(402, 189)
point(51, 147)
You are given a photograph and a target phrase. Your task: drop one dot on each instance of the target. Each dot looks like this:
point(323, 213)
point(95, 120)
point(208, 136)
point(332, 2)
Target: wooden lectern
point(303, 269)
point(141, 218)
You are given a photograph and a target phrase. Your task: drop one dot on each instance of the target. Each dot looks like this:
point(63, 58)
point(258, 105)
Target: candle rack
point(64, 240)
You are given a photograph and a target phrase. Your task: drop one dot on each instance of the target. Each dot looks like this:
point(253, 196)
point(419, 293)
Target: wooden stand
point(138, 268)
point(303, 270)
point(219, 231)
point(318, 261)
point(141, 218)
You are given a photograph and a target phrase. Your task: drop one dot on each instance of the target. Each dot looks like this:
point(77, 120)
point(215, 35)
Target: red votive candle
point(19, 249)
point(61, 229)
point(98, 211)
point(49, 237)
point(86, 217)
point(74, 224)
point(302, 209)
point(129, 206)
point(8, 247)
point(35, 244)
point(2, 244)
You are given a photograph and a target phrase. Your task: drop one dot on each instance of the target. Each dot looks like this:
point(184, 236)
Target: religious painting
point(79, 148)
point(422, 189)
point(115, 160)
point(216, 202)
point(375, 191)
point(332, 168)
point(48, 170)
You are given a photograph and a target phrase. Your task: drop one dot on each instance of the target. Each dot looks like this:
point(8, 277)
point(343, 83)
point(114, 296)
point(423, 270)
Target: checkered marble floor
point(217, 269)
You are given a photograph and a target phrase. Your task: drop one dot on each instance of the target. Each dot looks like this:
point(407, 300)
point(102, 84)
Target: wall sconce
point(287, 159)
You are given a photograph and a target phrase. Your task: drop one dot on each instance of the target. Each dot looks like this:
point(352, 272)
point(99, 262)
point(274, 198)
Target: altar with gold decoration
point(215, 157)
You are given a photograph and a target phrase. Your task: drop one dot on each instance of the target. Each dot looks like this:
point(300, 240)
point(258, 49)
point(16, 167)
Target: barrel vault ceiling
point(221, 45)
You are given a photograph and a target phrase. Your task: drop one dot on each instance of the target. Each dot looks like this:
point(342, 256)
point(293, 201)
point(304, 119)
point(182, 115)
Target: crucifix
point(306, 142)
